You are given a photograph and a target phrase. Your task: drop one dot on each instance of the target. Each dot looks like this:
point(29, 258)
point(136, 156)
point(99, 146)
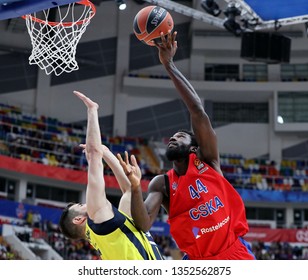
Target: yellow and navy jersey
point(119, 239)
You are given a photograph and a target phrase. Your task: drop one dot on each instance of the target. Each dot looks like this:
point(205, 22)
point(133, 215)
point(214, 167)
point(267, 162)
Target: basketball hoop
point(54, 42)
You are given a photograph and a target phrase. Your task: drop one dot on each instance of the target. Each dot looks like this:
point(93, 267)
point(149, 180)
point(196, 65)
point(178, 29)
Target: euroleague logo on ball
point(158, 14)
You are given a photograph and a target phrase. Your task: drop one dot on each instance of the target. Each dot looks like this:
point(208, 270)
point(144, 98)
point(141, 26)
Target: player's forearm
point(139, 212)
point(185, 89)
point(93, 140)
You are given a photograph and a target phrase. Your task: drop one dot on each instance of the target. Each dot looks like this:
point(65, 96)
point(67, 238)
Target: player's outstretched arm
point(205, 134)
point(98, 207)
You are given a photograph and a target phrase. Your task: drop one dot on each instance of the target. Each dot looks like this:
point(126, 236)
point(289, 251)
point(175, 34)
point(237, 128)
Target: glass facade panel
point(294, 72)
point(221, 72)
point(292, 107)
point(255, 72)
point(224, 113)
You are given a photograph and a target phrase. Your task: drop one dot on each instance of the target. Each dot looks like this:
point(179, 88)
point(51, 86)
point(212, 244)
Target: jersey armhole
point(167, 185)
point(108, 226)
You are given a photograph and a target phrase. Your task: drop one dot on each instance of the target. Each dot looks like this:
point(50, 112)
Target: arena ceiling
point(253, 14)
point(258, 14)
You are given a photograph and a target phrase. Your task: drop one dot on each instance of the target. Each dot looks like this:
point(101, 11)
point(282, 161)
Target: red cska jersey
point(206, 214)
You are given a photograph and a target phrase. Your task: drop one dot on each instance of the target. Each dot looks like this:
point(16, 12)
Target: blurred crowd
point(82, 250)
point(6, 251)
point(279, 251)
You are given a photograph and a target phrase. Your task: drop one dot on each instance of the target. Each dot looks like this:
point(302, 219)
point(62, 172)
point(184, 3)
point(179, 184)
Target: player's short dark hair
point(192, 135)
point(66, 225)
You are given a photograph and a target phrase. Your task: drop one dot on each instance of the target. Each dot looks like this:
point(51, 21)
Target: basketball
point(150, 22)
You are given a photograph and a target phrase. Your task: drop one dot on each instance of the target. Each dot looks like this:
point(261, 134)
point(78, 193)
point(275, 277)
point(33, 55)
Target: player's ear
point(78, 220)
point(193, 149)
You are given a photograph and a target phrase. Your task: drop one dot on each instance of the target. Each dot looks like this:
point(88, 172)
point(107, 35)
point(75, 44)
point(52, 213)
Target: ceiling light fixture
point(211, 7)
point(230, 23)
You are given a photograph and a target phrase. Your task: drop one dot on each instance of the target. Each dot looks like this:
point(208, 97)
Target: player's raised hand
point(167, 47)
point(86, 100)
point(103, 149)
point(131, 170)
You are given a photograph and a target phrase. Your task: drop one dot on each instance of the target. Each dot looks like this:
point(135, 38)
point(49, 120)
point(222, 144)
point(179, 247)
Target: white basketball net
point(54, 43)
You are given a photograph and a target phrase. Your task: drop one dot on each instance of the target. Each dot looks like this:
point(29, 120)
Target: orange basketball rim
point(67, 23)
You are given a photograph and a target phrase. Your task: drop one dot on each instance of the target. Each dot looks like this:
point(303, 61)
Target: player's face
point(178, 146)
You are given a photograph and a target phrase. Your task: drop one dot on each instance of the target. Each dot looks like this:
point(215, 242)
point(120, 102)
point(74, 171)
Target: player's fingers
point(175, 44)
point(169, 38)
point(134, 161)
point(169, 35)
point(124, 165)
point(163, 38)
point(126, 157)
point(136, 166)
point(78, 93)
point(174, 36)
point(119, 157)
point(86, 100)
